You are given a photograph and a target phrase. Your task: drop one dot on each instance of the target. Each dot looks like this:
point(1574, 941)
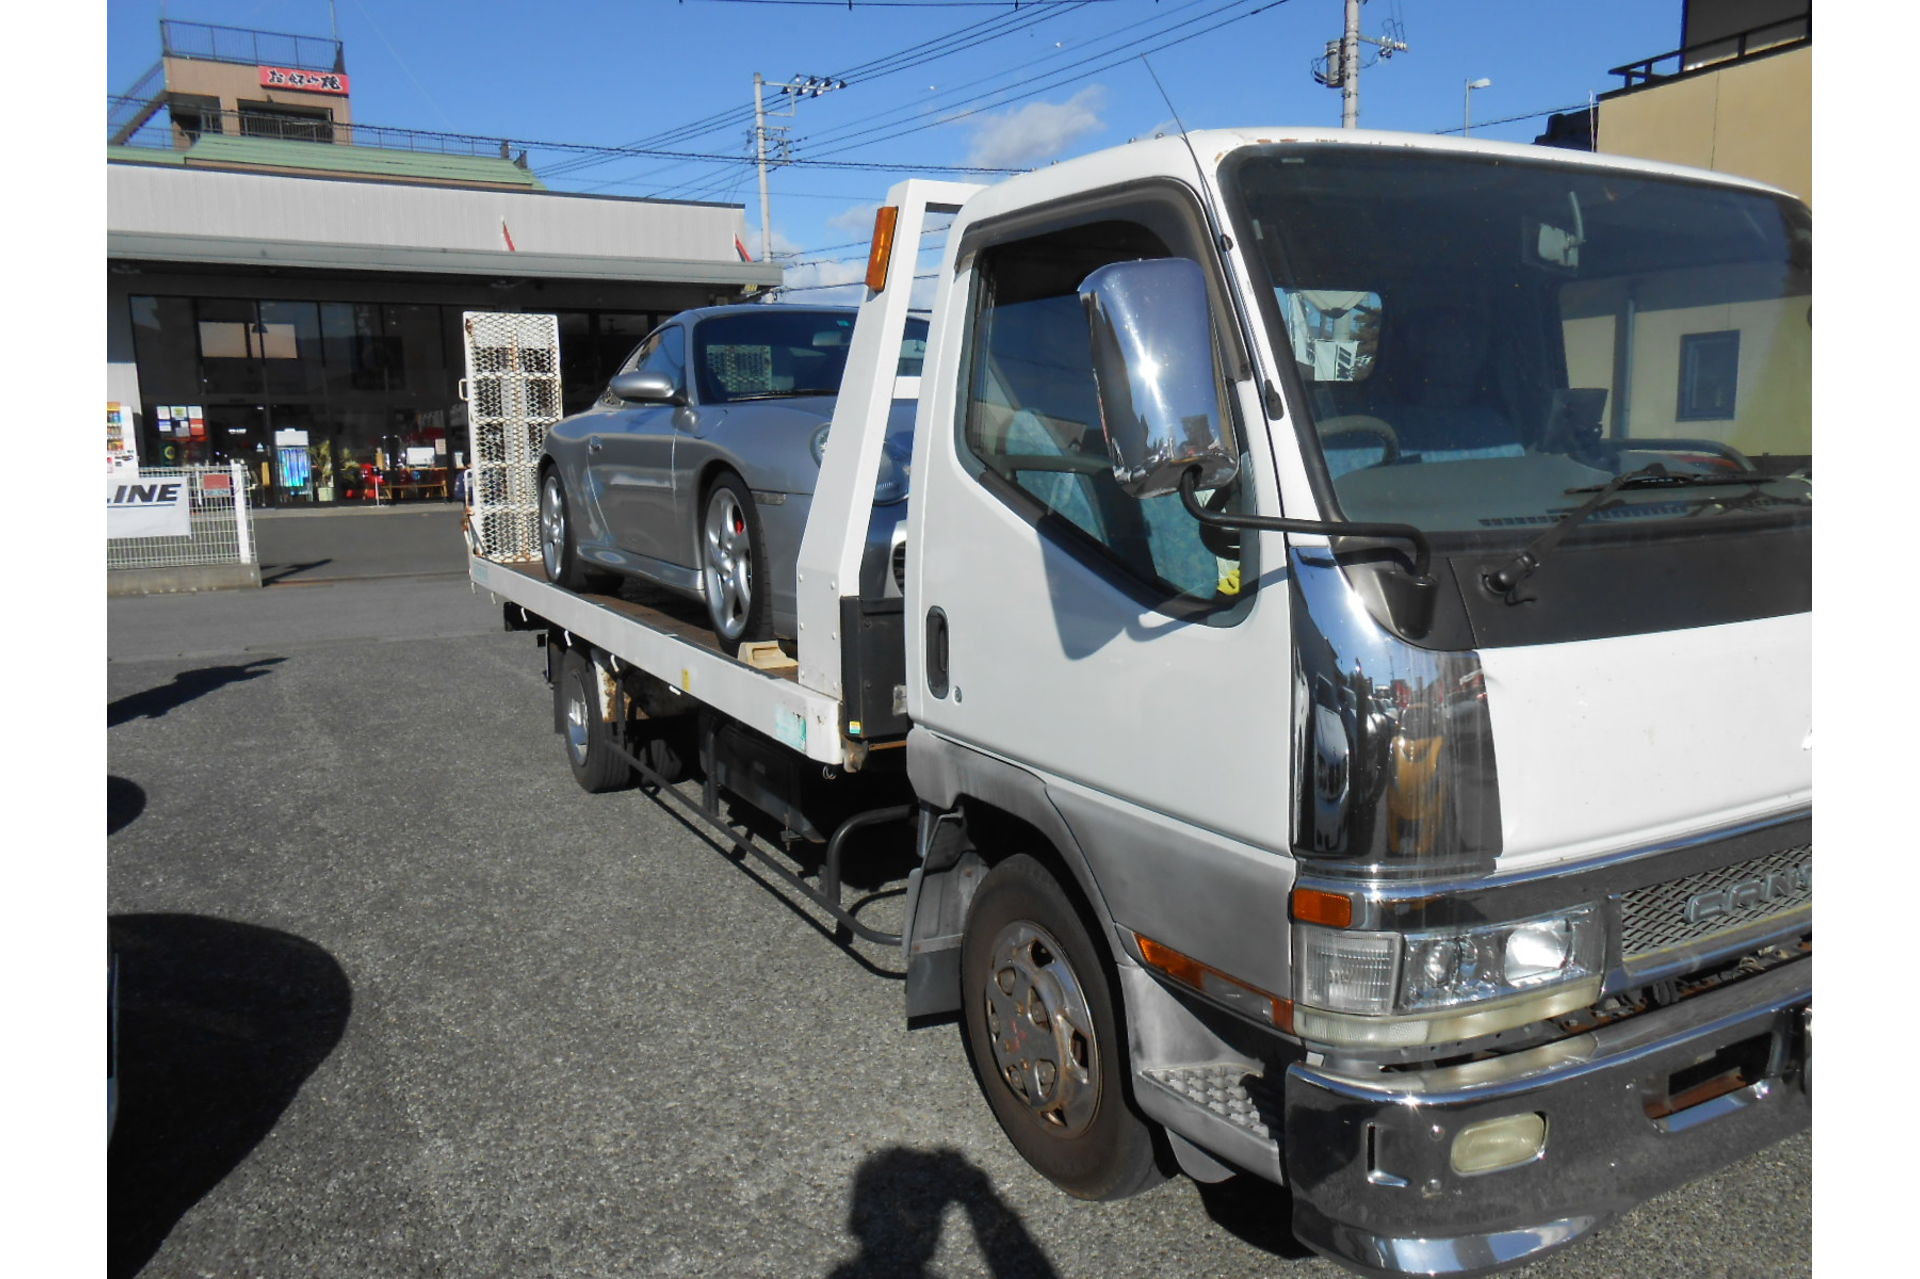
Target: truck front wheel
point(1037, 1012)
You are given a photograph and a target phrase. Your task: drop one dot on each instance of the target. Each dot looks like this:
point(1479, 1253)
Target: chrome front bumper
point(1631, 1109)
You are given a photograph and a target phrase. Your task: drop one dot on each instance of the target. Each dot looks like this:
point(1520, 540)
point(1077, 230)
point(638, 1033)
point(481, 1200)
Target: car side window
point(665, 353)
point(1033, 417)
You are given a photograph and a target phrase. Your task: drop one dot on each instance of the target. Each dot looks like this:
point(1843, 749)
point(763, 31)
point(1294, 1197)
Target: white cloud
point(1039, 131)
point(855, 220)
point(804, 283)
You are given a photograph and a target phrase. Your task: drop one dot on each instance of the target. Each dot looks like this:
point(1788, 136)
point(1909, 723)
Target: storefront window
point(290, 348)
point(332, 401)
point(225, 329)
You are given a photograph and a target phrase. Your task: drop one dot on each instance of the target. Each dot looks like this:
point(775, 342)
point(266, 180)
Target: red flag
point(507, 236)
point(741, 249)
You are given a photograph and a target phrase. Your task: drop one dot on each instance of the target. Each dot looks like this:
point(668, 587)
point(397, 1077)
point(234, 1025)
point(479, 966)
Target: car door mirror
point(651, 388)
point(1153, 369)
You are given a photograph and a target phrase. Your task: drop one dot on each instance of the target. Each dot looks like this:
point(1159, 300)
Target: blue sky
point(616, 71)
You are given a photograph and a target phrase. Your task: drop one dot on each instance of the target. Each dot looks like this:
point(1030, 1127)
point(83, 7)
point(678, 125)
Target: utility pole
point(1350, 69)
point(793, 90)
point(760, 141)
point(1340, 67)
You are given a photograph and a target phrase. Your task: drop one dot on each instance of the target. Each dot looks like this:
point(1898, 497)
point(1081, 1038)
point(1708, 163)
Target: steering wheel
point(1360, 424)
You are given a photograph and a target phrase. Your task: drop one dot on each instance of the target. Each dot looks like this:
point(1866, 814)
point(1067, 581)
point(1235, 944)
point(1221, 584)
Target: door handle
point(938, 680)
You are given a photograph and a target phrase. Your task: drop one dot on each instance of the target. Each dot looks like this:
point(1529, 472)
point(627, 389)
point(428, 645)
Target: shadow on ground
point(125, 801)
point(187, 685)
point(1256, 1212)
point(900, 1199)
point(220, 1025)
point(271, 573)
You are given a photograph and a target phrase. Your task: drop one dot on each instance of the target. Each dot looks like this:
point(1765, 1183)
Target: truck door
point(1095, 638)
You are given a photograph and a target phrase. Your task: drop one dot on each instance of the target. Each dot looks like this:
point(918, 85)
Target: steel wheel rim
point(728, 573)
point(553, 527)
point(576, 725)
point(1040, 1025)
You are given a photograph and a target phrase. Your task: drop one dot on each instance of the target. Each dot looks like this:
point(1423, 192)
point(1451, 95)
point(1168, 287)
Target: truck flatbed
point(657, 636)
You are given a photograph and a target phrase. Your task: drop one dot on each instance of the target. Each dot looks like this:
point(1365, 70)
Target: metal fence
point(222, 527)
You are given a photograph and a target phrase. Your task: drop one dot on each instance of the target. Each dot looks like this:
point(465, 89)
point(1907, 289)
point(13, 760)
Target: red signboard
point(305, 81)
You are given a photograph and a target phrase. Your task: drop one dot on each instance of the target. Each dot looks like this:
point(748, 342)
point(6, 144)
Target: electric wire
point(1116, 55)
point(928, 50)
point(1120, 58)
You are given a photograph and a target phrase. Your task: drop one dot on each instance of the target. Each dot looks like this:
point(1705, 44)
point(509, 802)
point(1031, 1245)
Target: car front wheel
point(732, 555)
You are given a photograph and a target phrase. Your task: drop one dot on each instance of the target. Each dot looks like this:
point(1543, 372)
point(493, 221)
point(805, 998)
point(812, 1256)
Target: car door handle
point(595, 444)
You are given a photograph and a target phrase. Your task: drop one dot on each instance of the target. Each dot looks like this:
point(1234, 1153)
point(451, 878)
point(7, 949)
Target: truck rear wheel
point(596, 765)
point(1037, 1012)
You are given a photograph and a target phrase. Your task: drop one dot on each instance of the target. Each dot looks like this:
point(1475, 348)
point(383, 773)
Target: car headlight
point(1391, 989)
point(891, 485)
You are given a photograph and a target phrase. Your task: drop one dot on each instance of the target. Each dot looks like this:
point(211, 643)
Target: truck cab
point(1368, 576)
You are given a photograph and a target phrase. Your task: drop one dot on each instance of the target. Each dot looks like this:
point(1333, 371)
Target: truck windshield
point(1481, 341)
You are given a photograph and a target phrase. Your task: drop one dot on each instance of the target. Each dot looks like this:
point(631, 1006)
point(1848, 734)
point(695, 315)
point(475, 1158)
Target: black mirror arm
point(1422, 551)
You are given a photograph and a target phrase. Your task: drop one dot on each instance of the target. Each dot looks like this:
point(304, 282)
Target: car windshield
point(1482, 342)
point(781, 351)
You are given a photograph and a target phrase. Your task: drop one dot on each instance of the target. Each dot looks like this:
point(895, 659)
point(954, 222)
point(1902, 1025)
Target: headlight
point(1406, 989)
point(892, 483)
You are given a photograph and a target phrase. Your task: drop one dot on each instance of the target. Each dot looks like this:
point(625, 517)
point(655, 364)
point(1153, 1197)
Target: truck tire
point(589, 739)
point(1037, 1013)
point(733, 562)
point(559, 554)
point(669, 750)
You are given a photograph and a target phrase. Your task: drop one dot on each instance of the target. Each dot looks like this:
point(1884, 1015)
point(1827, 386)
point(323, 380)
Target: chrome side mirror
point(1153, 369)
point(653, 388)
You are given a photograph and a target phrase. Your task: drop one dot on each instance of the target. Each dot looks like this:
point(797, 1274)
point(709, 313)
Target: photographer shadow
point(900, 1199)
point(220, 1023)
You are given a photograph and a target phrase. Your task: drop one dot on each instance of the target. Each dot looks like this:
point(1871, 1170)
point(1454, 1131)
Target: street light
point(1466, 105)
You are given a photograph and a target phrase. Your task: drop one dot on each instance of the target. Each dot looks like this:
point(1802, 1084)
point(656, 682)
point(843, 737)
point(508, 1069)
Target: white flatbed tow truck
point(1350, 681)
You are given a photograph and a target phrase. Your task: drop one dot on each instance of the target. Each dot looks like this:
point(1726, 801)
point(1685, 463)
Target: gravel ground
point(398, 999)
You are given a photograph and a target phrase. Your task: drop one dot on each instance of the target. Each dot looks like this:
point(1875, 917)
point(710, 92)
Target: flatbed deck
point(658, 634)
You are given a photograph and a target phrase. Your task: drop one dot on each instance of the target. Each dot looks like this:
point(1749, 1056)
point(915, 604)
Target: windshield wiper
point(1657, 476)
point(774, 395)
point(1504, 579)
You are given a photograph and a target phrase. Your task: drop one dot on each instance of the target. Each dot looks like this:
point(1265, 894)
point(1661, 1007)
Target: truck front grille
point(1699, 907)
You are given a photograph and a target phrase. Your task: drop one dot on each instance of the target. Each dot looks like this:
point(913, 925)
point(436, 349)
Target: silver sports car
point(696, 468)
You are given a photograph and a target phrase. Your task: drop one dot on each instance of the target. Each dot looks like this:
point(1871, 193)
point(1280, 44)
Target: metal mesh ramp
point(512, 390)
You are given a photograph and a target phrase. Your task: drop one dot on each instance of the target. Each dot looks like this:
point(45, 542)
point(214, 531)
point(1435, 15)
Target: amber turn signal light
point(881, 253)
point(1317, 906)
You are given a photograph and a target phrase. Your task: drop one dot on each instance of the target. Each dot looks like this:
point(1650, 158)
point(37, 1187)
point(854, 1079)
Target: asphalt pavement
point(398, 999)
point(304, 545)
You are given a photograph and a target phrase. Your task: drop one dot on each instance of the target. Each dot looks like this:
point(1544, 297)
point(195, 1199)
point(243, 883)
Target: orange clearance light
point(1230, 991)
point(884, 219)
point(1170, 961)
point(1316, 906)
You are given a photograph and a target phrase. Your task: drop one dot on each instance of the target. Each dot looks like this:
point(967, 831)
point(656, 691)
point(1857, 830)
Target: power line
point(951, 98)
point(945, 118)
point(944, 114)
point(1509, 119)
point(929, 50)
